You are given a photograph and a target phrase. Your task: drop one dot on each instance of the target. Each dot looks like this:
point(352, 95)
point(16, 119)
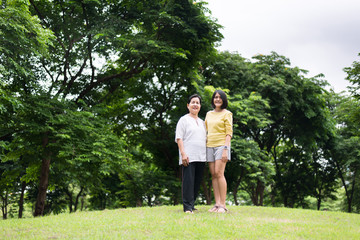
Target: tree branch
point(125, 75)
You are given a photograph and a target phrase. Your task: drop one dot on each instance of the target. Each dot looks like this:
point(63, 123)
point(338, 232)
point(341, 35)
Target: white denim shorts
point(215, 153)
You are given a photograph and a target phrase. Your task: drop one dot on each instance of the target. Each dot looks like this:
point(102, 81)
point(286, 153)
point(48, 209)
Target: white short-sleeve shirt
point(193, 133)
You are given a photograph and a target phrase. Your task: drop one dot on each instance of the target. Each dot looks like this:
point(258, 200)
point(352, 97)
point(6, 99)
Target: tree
point(99, 48)
point(345, 147)
point(298, 112)
point(251, 166)
point(231, 71)
point(157, 97)
point(296, 115)
point(21, 37)
point(353, 76)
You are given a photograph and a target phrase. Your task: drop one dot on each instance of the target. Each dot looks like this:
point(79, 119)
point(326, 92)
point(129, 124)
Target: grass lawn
point(169, 222)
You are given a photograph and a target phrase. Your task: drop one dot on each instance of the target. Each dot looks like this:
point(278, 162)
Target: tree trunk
point(44, 179)
point(319, 203)
point(235, 196)
point(319, 198)
point(344, 185)
point(21, 201)
point(104, 202)
point(257, 194)
point(272, 196)
point(149, 200)
point(207, 193)
point(207, 184)
point(4, 205)
point(70, 204)
point(260, 192)
point(254, 196)
point(352, 192)
point(82, 202)
point(43, 185)
point(235, 190)
point(77, 198)
point(285, 201)
point(139, 203)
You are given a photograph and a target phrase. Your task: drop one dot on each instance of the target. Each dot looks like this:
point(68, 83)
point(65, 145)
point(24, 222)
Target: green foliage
point(101, 50)
point(83, 147)
point(96, 88)
point(250, 167)
point(21, 37)
point(278, 109)
point(345, 151)
point(147, 184)
point(353, 76)
point(148, 106)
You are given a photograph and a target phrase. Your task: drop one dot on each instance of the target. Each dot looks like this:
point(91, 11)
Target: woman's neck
point(193, 115)
point(218, 109)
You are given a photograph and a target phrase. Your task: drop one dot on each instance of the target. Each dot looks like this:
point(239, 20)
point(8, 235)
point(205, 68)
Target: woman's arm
point(225, 154)
point(228, 131)
point(184, 157)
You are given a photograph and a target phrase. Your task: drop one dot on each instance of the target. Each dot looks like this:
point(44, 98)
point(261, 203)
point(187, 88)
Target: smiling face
point(194, 106)
point(218, 102)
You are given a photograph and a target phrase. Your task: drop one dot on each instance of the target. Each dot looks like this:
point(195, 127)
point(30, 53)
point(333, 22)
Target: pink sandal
point(221, 209)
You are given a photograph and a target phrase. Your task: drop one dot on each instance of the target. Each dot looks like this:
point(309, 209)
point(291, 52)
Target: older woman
point(219, 133)
point(191, 139)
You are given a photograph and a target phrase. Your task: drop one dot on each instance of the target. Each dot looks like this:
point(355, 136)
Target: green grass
point(169, 222)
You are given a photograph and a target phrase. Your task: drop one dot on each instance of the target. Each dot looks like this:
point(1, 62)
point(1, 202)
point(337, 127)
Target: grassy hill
point(169, 222)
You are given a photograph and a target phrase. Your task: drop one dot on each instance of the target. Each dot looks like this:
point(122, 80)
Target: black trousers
point(191, 180)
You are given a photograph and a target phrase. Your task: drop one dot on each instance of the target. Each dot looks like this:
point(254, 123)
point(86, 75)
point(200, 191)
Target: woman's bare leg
point(221, 181)
point(215, 184)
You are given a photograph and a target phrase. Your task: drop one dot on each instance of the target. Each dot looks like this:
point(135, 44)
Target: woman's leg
point(199, 172)
point(215, 184)
point(188, 175)
point(221, 181)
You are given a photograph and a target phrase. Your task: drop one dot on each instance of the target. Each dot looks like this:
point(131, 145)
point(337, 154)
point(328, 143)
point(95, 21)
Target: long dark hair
point(223, 98)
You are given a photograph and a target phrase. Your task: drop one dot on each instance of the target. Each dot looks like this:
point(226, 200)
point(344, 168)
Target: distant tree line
point(91, 91)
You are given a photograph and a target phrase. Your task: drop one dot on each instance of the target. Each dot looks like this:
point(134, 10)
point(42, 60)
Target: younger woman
point(218, 124)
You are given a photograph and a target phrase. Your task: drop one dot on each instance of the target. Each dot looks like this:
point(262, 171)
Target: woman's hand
point(185, 159)
point(224, 156)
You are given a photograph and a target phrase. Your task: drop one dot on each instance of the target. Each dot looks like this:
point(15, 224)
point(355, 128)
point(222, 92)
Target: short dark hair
point(223, 98)
point(194, 96)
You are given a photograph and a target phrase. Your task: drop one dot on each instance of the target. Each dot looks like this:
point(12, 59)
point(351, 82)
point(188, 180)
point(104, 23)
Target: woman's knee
point(217, 174)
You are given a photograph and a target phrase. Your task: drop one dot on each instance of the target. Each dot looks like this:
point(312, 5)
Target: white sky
point(321, 36)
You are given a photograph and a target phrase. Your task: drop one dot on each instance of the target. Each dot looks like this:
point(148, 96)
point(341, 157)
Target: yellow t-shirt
point(218, 125)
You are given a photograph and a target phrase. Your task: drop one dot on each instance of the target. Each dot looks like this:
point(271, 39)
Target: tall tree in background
point(345, 153)
point(298, 117)
point(345, 150)
point(157, 98)
point(100, 48)
point(295, 116)
point(353, 76)
point(21, 38)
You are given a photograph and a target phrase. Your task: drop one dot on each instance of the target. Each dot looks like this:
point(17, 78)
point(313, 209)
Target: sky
point(321, 36)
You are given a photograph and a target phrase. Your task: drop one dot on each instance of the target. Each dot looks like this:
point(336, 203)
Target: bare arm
point(225, 152)
point(184, 157)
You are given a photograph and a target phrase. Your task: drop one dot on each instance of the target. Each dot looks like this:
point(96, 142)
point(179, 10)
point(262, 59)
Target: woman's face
point(194, 105)
point(218, 101)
